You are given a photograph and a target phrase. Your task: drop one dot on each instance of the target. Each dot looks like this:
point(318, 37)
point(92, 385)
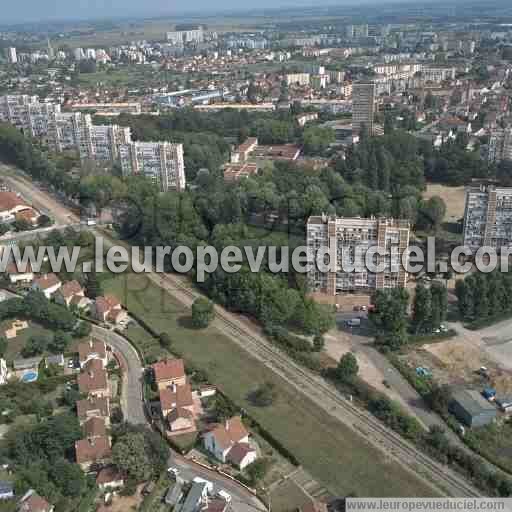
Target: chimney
point(90, 342)
point(173, 387)
point(227, 424)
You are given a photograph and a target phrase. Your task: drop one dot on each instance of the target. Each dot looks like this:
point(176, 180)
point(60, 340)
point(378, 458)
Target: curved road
point(133, 410)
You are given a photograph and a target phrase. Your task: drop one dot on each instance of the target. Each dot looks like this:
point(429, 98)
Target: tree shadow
point(185, 321)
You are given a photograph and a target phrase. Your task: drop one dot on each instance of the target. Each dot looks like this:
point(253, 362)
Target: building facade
point(27, 114)
point(162, 162)
point(12, 56)
point(500, 145)
point(488, 217)
point(363, 107)
point(348, 240)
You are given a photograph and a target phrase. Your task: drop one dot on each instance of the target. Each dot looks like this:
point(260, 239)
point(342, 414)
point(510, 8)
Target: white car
point(173, 471)
point(224, 495)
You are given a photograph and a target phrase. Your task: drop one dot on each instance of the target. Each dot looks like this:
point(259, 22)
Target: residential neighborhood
point(255, 258)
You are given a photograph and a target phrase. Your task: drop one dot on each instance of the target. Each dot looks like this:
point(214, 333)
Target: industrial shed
point(472, 409)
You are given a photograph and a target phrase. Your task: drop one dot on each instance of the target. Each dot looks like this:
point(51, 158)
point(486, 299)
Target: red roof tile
point(170, 369)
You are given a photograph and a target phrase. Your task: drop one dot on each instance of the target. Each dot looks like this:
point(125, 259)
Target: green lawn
point(288, 496)
point(343, 461)
point(14, 345)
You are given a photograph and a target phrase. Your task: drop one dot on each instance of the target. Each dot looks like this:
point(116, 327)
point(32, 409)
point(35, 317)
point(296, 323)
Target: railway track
point(363, 422)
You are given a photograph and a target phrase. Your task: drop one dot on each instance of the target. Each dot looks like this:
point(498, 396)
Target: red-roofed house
point(93, 407)
point(72, 293)
point(92, 349)
point(94, 427)
point(32, 502)
point(110, 478)
point(93, 380)
point(47, 284)
point(109, 309)
point(92, 451)
point(230, 437)
point(19, 273)
point(10, 205)
point(29, 215)
point(241, 455)
point(169, 373)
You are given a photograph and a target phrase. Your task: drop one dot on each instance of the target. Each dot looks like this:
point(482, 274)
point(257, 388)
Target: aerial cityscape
point(255, 258)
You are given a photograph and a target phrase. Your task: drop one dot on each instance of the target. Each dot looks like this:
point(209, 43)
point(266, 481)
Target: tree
point(202, 313)
point(431, 213)
point(3, 345)
point(93, 288)
point(258, 470)
point(60, 342)
point(35, 345)
point(389, 317)
point(422, 309)
point(44, 221)
point(129, 454)
point(264, 395)
point(69, 478)
point(439, 301)
point(318, 343)
point(348, 368)
point(83, 329)
point(165, 340)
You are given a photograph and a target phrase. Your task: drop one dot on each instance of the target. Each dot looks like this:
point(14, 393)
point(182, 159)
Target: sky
point(19, 11)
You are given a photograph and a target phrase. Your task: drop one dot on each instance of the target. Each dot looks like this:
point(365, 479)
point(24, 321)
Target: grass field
point(336, 456)
point(14, 345)
point(454, 197)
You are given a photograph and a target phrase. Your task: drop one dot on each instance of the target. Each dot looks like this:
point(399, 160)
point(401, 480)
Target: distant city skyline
point(30, 11)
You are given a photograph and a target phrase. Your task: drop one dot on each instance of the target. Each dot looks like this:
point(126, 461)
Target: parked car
point(224, 495)
point(173, 472)
point(209, 485)
point(353, 322)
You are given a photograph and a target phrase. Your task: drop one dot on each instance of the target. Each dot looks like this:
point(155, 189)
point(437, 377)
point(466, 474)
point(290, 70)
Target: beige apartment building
point(352, 238)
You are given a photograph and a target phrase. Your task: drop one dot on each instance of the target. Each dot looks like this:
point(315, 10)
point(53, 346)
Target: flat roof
point(473, 402)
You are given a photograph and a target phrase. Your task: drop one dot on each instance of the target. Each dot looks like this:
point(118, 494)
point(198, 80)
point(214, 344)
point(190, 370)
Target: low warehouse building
point(472, 409)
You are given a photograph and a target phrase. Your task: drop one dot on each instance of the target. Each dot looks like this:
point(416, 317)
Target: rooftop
point(170, 369)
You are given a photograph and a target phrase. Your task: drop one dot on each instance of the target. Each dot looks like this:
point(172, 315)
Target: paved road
point(131, 400)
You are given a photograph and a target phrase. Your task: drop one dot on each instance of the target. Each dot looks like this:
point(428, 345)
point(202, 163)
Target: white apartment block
point(64, 131)
point(27, 114)
point(298, 79)
point(12, 57)
point(75, 131)
point(348, 239)
point(438, 74)
point(101, 142)
point(488, 217)
point(500, 145)
point(162, 162)
point(179, 37)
